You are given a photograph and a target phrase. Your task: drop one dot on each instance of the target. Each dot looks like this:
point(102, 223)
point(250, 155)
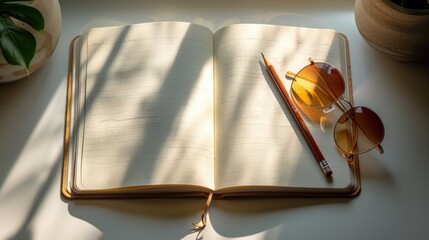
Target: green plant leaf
point(24, 13)
point(18, 45)
point(2, 1)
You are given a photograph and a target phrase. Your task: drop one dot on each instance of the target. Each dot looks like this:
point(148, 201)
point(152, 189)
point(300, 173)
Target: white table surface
point(393, 203)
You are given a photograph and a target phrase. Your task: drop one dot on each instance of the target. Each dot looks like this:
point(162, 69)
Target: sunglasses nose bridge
point(344, 118)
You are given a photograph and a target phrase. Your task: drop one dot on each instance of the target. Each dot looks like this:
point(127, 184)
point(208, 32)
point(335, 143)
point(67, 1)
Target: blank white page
point(147, 107)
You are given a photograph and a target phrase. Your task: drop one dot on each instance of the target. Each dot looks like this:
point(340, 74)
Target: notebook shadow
point(134, 218)
point(151, 207)
point(256, 215)
point(137, 217)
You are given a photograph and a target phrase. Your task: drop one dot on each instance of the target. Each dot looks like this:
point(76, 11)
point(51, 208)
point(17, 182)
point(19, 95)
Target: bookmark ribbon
point(202, 224)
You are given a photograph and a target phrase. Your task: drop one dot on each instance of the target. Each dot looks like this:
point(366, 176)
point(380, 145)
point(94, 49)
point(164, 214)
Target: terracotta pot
point(46, 41)
point(400, 33)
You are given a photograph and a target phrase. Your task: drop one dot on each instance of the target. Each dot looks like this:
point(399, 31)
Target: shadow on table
point(235, 217)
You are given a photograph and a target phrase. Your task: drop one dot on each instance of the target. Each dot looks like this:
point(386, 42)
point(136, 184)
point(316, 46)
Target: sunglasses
point(321, 85)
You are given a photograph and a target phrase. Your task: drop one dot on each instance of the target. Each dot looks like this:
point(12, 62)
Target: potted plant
point(398, 28)
point(29, 32)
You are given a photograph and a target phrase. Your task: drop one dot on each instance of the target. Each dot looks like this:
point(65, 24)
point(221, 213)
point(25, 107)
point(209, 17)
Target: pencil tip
point(265, 59)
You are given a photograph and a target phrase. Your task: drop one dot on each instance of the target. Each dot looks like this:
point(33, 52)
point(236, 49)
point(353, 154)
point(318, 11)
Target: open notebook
point(173, 109)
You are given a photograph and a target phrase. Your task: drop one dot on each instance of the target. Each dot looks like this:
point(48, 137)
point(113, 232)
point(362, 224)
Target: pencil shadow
point(281, 102)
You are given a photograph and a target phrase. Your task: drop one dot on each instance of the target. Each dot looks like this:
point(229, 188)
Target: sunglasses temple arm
point(290, 75)
point(380, 149)
point(347, 101)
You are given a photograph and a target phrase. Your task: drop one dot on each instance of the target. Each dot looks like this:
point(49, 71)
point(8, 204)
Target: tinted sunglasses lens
point(317, 85)
point(358, 130)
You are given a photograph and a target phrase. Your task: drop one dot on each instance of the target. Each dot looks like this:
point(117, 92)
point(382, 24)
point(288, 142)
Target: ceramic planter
point(400, 33)
point(46, 41)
